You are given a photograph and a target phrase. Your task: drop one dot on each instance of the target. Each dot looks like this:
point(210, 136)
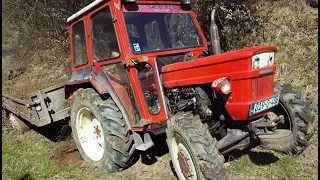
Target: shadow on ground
point(258, 158)
point(26, 177)
point(56, 132)
point(159, 149)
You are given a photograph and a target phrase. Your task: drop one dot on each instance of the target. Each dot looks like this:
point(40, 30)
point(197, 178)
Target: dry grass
point(38, 74)
point(32, 158)
point(31, 155)
point(290, 25)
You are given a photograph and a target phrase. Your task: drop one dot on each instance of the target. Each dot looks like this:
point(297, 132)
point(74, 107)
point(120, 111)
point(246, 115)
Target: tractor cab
point(130, 43)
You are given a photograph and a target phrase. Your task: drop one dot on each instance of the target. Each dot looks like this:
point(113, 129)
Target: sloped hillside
point(35, 55)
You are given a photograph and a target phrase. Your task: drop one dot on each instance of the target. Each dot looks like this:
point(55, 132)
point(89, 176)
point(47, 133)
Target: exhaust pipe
point(215, 40)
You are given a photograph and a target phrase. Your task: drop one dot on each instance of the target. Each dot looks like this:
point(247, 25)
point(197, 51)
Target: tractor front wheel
point(192, 149)
point(298, 117)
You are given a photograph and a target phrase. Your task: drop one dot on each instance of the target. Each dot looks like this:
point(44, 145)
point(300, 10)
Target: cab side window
point(80, 54)
point(104, 38)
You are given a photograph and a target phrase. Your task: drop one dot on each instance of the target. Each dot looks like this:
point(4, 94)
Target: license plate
point(263, 105)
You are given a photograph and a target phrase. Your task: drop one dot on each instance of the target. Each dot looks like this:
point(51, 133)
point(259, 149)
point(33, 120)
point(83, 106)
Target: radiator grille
point(261, 86)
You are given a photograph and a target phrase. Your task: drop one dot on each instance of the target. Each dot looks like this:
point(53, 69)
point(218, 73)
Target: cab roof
point(97, 2)
point(84, 10)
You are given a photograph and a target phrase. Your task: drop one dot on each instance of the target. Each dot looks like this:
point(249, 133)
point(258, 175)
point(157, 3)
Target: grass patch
point(284, 167)
point(30, 157)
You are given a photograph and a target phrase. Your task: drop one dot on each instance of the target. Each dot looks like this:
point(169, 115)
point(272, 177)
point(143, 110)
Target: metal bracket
point(144, 144)
point(142, 123)
point(262, 126)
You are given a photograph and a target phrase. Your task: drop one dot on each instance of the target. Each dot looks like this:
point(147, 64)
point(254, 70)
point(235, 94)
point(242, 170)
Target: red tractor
point(142, 67)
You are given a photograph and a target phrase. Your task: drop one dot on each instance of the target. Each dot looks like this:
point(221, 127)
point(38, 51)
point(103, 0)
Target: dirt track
point(67, 154)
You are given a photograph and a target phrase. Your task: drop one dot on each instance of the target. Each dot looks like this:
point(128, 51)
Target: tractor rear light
point(222, 85)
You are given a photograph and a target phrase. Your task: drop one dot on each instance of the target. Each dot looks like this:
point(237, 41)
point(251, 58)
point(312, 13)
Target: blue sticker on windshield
point(136, 47)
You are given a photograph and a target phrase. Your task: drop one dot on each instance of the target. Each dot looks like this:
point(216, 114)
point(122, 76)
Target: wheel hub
point(96, 128)
point(90, 134)
point(97, 131)
point(184, 162)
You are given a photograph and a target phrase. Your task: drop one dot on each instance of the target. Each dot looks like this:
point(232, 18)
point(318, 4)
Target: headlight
point(225, 86)
point(262, 59)
point(222, 85)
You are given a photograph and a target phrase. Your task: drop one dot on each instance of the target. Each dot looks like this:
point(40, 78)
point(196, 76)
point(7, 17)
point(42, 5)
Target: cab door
point(106, 54)
point(150, 90)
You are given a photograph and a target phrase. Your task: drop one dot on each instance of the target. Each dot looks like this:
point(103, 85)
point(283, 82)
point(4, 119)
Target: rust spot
point(184, 165)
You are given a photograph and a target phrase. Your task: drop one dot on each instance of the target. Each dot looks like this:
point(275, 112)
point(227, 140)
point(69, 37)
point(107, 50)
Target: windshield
point(158, 28)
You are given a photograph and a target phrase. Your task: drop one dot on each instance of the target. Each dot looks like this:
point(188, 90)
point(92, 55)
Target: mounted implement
point(41, 108)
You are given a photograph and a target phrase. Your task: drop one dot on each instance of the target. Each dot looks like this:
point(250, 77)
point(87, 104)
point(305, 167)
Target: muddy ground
point(66, 155)
point(156, 164)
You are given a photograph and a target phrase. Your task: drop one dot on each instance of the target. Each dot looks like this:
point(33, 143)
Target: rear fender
point(86, 79)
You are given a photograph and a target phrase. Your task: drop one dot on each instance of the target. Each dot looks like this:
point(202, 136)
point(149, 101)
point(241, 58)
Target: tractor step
point(144, 144)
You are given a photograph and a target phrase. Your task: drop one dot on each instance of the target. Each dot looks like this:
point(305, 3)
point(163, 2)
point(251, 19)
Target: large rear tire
point(100, 132)
point(192, 149)
point(298, 117)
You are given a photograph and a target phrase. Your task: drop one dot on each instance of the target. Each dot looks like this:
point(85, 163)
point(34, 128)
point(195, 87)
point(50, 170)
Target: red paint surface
point(235, 65)
point(153, 9)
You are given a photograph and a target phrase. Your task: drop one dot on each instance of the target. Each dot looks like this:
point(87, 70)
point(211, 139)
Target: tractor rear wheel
point(192, 149)
point(298, 117)
point(100, 132)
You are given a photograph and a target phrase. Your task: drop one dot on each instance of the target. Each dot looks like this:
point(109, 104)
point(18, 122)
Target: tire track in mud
point(66, 154)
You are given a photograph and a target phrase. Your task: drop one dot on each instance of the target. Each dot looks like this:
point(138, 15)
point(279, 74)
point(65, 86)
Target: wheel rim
point(281, 109)
point(182, 159)
point(90, 134)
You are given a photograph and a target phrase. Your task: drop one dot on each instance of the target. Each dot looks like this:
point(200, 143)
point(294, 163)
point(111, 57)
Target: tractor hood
point(233, 65)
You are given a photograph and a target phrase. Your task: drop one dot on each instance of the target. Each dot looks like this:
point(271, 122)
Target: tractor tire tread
point(301, 115)
point(202, 144)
